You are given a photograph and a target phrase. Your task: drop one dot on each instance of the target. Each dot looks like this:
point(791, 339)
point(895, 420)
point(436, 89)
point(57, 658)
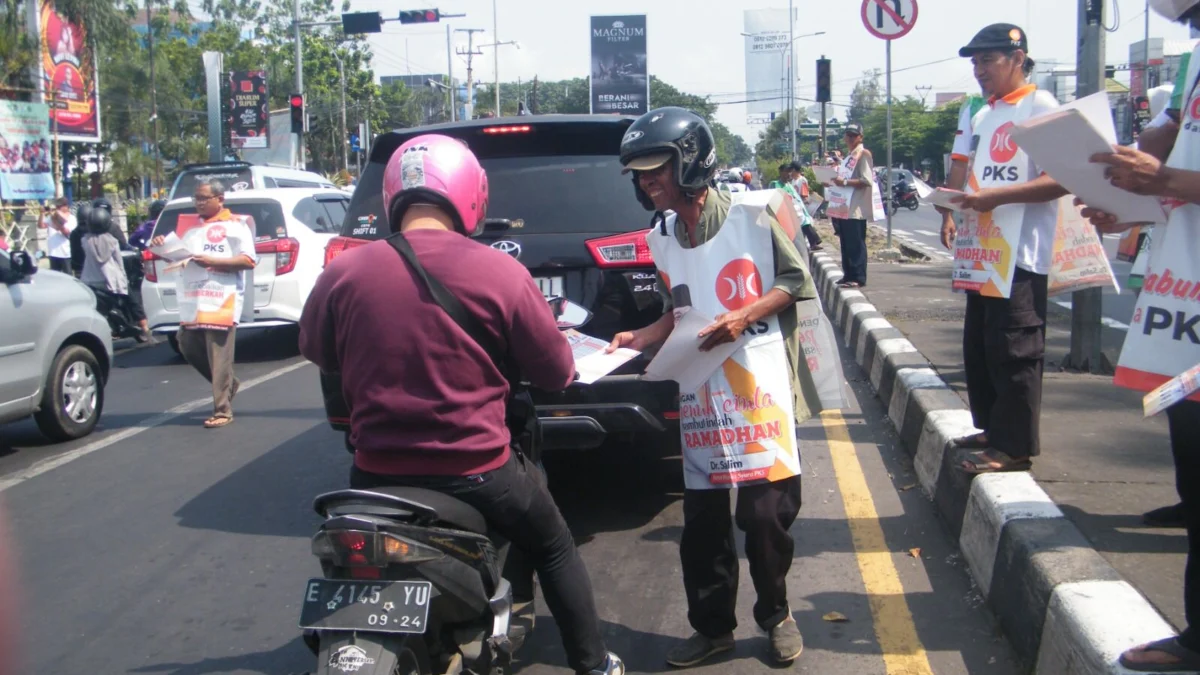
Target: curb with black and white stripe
point(1064, 609)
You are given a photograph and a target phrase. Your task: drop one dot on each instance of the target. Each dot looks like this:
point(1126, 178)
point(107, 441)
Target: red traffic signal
point(420, 16)
point(297, 101)
point(297, 113)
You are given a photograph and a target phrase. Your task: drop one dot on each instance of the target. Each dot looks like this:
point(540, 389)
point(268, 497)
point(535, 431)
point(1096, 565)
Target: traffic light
point(824, 81)
point(297, 101)
point(355, 23)
point(420, 16)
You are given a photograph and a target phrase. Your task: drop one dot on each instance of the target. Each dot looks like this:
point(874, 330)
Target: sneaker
point(786, 641)
point(697, 649)
point(1166, 516)
point(613, 665)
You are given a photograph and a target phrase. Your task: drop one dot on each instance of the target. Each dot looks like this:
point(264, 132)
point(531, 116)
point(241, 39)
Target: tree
point(865, 97)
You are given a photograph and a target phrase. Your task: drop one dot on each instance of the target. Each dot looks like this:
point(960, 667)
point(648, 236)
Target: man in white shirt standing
point(1004, 338)
point(60, 222)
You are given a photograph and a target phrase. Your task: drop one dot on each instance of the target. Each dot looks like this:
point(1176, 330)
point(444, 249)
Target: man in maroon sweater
point(427, 402)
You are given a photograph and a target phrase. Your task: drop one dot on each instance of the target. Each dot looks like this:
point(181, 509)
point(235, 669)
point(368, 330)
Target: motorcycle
point(115, 308)
point(905, 195)
point(412, 583)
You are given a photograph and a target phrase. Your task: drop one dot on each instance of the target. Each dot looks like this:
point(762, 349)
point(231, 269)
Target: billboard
point(620, 82)
point(25, 153)
point(248, 118)
point(766, 62)
point(68, 77)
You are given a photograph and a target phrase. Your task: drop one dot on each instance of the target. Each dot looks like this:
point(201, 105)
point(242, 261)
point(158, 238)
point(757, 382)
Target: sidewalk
point(1102, 465)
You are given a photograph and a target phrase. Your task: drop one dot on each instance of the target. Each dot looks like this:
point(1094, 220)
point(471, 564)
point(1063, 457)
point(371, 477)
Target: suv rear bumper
point(584, 416)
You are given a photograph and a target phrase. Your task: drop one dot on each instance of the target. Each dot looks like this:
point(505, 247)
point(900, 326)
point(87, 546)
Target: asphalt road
point(156, 546)
point(923, 228)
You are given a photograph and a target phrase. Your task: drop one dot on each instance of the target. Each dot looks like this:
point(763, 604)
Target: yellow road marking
point(903, 653)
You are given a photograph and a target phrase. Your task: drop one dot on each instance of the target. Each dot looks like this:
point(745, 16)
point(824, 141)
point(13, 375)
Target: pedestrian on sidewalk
point(1004, 338)
point(222, 248)
point(61, 223)
point(701, 250)
point(1167, 165)
point(788, 182)
point(855, 172)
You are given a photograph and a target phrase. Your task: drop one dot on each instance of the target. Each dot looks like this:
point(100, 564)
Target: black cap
point(853, 128)
point(1003, 37)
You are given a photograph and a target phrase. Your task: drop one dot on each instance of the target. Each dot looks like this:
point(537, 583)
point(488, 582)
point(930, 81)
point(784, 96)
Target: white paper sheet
point(680, 358)
point(942, 196)
point(591, 363)
point(1061, 144)
point(1095, 109)
point(824, 174)
point(1172, 391)
point(172, 249)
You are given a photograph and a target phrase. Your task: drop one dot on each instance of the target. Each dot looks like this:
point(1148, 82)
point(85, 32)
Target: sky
point(696, 45)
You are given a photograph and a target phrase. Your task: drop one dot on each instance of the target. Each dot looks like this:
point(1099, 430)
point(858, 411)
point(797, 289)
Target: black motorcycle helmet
point(99, 220)
point(664, 134)
point(156, 208)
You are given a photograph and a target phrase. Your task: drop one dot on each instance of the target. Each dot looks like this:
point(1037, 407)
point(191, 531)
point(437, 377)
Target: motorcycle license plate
point(380, 606)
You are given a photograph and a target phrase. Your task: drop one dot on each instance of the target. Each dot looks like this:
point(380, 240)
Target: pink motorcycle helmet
point(438, 170)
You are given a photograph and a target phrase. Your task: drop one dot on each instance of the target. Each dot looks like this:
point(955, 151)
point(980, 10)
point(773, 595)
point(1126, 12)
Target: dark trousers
point(517, 505)
point(61, 265)
point(853, 234)
point(810, 233)
point(709, 553)
point(1004, 348)
point(1183, 420)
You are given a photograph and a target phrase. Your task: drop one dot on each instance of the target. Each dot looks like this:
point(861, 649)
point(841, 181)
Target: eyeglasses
point(200, 199)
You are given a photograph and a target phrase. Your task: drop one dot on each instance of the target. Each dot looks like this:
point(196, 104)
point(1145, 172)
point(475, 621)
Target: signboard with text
point(68, 76)
point(25, 159)
point(766, 33)
point(620, 82)
point(248, 118)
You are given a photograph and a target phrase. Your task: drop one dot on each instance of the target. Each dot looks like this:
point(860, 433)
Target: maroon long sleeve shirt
point(425, 399)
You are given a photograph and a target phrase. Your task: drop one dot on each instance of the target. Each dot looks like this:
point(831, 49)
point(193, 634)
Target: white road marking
point(904, 232)
point(928, 233)
point(1104, 320)
point(42, 467)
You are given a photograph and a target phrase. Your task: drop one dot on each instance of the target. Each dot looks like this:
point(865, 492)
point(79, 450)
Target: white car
point(55, 349)
point(291, 226)
point(238, 176)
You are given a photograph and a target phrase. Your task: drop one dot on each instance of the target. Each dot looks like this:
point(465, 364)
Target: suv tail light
point(148, 267)
point(509, 129)
point(338, 246)
point(360, 548)
point(286, 251)
point(622, 250)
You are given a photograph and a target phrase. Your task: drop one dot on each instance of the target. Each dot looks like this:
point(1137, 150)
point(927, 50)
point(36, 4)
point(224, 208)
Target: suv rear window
point(541, 192)
point(267, 217)
point(233, 178)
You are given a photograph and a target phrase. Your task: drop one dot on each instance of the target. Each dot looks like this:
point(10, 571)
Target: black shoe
point(1167, 516)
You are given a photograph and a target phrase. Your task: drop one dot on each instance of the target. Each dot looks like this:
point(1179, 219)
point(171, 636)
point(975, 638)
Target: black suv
point(559, 204)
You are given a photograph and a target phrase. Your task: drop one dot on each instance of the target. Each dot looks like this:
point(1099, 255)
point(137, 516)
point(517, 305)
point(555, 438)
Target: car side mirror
point(568, 314)
point(23, 266)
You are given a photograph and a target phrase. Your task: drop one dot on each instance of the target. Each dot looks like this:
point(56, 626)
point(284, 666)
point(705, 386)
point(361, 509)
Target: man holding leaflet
point(1004, 333)
point(748, 274)
point(1162, 340)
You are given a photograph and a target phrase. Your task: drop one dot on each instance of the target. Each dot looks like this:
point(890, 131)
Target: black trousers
point(853, 234)
point(810, 233)
point(60, 265)
point(517, 505)
point(1183, 420)
point(709, 553)
point(1004, 349)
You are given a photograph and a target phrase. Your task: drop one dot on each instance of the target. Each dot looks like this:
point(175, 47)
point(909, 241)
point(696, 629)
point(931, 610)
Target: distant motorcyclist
point(427, 401)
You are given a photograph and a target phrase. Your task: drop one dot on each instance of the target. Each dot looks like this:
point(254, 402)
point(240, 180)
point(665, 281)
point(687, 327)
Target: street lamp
point(496, 46)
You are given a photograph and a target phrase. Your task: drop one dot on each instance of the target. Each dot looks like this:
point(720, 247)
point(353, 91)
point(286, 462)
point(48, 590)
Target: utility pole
point(924, 90)
point(533, 107)
point(470, 53)
point(1087, 305)
point(345, 131)
point(791, 75)
point(299, 81)
point(450, 73)
point(153, 100)
point(496, 54)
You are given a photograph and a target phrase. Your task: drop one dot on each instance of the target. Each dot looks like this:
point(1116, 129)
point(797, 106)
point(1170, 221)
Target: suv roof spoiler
point(217, 165)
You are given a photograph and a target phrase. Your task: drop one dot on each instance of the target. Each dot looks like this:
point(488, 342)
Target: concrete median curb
point(1064, 609)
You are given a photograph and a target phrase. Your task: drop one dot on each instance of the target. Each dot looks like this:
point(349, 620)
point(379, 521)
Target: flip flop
point(1189, 661)
point(972, 442)
point(217, 422)
point(849, 284)
point(981, 462)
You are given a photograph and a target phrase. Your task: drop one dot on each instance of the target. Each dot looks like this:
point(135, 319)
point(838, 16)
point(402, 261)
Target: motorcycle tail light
point(359, 548)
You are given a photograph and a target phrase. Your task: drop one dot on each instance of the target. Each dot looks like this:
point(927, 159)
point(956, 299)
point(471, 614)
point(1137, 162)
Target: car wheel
point(74, 395)
point(173, 340)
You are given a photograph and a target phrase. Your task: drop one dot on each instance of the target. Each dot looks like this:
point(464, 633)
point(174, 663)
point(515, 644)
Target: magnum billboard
point(620, 81)
point(248, 120)
point(68, 76)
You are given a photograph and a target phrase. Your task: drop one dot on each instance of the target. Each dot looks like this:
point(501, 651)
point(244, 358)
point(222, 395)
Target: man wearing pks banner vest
point(1163, 339)
point(1002, 256)
point(728, 257)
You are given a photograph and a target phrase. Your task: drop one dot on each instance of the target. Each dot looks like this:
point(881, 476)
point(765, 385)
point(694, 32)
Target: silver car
point(55, 349)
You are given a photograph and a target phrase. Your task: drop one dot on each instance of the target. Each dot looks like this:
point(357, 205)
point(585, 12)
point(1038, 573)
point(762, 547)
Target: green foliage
point(917, 133)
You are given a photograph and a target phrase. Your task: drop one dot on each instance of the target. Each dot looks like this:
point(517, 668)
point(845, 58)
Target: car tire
point(74, 395)
point(173, 340)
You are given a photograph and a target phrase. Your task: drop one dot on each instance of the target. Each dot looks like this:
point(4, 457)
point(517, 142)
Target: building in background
point(944, 98)
point(1162, 65)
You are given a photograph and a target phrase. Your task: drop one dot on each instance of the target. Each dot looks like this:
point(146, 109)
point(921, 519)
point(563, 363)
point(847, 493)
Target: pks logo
point(1194, 109)
point(215, 234)
point(739, 284)
point(1003, 149)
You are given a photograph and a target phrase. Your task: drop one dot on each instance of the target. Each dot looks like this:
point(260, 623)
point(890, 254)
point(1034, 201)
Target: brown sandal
point(986, 461)
point(977, 441)
point(217, 422)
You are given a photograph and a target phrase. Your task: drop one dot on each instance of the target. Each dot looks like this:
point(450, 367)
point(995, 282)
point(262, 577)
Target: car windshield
point(234, 179)
point(266, 216)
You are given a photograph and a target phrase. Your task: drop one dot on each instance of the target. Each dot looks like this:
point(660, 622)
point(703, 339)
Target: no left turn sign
point(889, 19)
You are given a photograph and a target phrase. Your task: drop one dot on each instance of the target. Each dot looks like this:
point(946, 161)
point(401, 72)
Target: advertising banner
point(620, 82)
point(1079, 258)
point(248, 119)
point(766, 62)
point(25, 151)
point(68, 77)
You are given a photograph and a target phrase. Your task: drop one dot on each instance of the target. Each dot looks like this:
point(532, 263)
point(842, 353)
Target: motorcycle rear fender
point(378, 652)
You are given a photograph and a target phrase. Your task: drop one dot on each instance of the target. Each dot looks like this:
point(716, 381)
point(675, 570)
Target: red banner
point(69, 77)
